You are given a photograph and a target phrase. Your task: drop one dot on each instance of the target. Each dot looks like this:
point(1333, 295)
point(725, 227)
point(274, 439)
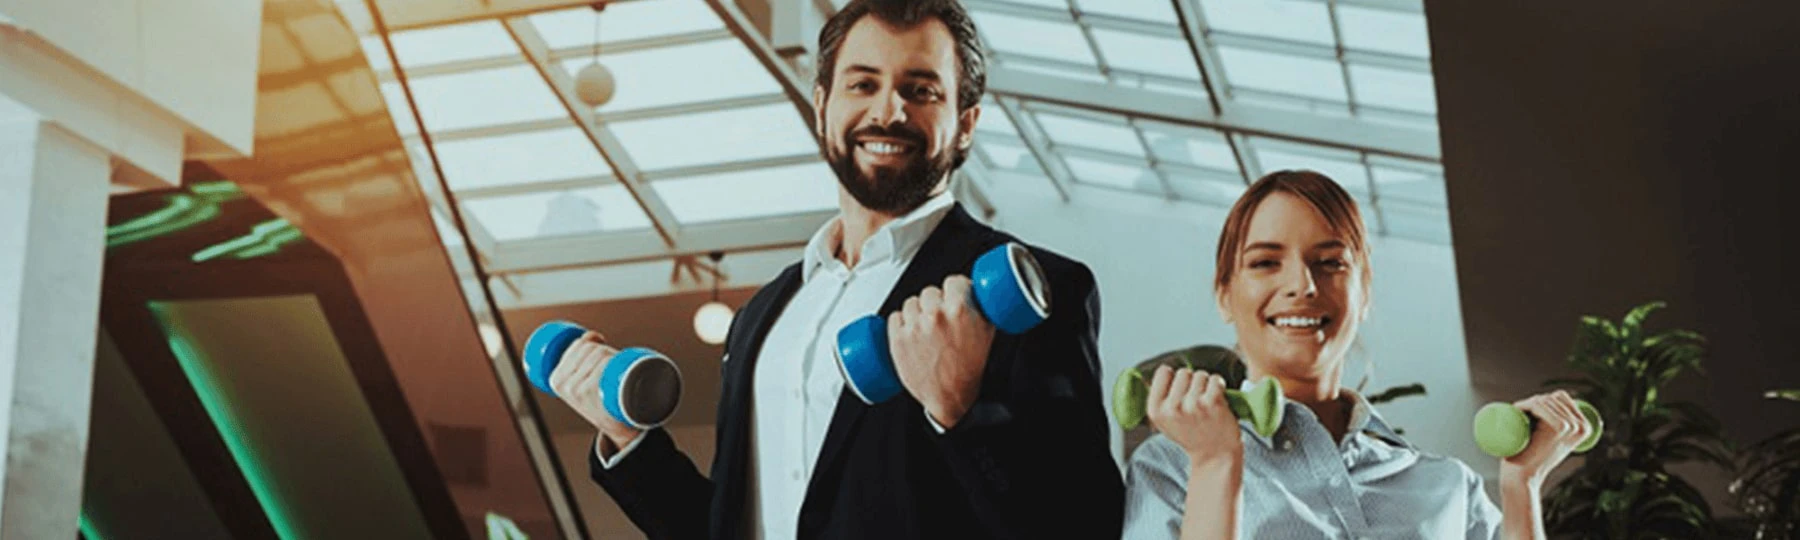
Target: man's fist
point(577, 381)
point(939, 342)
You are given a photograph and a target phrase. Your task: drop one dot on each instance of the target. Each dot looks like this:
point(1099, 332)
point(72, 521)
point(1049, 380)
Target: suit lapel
point(735, 405)
point(951, 249)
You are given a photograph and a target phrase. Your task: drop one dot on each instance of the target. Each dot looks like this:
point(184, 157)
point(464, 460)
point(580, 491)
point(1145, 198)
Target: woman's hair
point(1318, 190)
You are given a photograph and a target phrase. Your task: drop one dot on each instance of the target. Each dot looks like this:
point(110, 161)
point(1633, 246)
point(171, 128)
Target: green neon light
point(224, 418)
point(502, 528)
point(183, 210)
point(263, 239)
point(87, 528)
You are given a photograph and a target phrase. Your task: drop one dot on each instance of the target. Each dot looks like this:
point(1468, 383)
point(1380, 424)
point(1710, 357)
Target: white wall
point(1154, 263)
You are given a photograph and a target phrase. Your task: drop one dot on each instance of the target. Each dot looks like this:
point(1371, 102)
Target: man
point(996, 436)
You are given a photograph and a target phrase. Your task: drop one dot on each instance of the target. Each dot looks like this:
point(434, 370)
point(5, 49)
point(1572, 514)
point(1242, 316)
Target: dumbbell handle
point(661, 389)
point(1132, 391)
point(1503, 430)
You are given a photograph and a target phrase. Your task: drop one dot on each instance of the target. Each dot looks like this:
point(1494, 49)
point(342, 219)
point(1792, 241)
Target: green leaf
point(1790, 394)
point(1635, 319)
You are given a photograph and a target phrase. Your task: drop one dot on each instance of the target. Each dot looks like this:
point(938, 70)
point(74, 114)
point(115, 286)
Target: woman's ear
point(1223, 304)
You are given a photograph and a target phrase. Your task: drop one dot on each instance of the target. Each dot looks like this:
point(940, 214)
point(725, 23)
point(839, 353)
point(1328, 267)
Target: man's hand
point(940, 341)
point(577, 381)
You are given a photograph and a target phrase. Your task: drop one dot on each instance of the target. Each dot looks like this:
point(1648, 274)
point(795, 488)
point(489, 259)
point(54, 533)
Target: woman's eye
point(862, 86)
point(1263, 263)
point(1335, 265)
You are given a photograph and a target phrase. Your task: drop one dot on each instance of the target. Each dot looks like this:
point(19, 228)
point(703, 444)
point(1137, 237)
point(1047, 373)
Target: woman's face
point(1296, 295)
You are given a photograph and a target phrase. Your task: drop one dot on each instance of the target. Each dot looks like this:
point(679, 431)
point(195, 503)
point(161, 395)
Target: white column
point(53, 193)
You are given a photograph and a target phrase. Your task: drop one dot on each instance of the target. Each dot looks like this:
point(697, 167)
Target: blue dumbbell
point(1009, 288)
point(638, 386)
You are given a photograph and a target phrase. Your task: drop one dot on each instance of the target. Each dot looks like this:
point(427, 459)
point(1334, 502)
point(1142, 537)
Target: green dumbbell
point(1502, 430)
point(1261, 404)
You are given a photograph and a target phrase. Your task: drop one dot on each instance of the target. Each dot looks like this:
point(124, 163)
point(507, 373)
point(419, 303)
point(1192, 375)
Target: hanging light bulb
point(594, 84)
point(713, 320)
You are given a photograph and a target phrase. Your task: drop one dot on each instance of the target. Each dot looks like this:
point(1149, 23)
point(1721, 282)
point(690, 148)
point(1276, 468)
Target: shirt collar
point(895, 242)
point(1363, 419)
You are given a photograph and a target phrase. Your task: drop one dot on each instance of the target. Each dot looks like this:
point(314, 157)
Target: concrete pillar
point(53, 193)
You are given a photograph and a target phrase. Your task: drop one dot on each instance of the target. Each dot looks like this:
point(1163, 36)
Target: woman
point(1293, 279)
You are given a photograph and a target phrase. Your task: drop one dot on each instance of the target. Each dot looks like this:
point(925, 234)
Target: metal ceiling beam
point(403, 15)
point(581, 182)
point(528, 126)
point(1343, 133)
point(799, 92)
point(565, 53)
point(1399, 6)
point(563, 85)
point(553, 254)
point(1037, 141)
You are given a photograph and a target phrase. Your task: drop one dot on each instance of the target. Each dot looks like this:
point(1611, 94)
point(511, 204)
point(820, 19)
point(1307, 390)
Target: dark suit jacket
point(1029, 460)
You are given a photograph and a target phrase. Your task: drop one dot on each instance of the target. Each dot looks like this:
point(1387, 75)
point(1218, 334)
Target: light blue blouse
point(1299, 484)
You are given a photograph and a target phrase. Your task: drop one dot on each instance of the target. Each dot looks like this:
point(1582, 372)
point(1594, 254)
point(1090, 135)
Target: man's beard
point(890, 191)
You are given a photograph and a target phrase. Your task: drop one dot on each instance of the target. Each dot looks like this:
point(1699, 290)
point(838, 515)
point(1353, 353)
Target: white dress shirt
point(796, 381)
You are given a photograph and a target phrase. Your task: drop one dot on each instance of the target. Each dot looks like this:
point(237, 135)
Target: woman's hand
point(1560, 428)
point(1188, 406)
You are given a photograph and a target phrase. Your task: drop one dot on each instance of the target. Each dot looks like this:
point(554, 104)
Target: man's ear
point(819, 111)
point(965, 127)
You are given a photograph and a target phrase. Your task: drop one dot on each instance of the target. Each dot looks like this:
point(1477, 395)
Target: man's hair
point(971, 81)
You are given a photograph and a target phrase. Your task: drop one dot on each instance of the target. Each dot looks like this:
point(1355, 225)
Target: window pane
point(524, 157)
point(1346, 170)
point(754, 193)
point(1086, 73)
point(625, 21)
point(443, 44)
point(1283, 73)
point(1009, 155)
point(1091, 134)
point(540, 215)
point(1147, 54)
point(1200, 148)
point(1150, 10)
point(1219, 191)
point(1394, 89)
point(1384, 31)
point(706, 71)
point(485, 98)
point(1410, 186)
point(1033, 37)
point(715, 137)
point(1297, 21)
point(1109, 174)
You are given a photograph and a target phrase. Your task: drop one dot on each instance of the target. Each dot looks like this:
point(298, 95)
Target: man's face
point(890, 120)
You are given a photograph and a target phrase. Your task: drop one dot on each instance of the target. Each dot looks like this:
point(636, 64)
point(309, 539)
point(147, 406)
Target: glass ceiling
point(709, 130)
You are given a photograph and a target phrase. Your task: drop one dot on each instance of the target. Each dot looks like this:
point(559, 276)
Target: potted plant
point(1623, 489)
point(1767, 487)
